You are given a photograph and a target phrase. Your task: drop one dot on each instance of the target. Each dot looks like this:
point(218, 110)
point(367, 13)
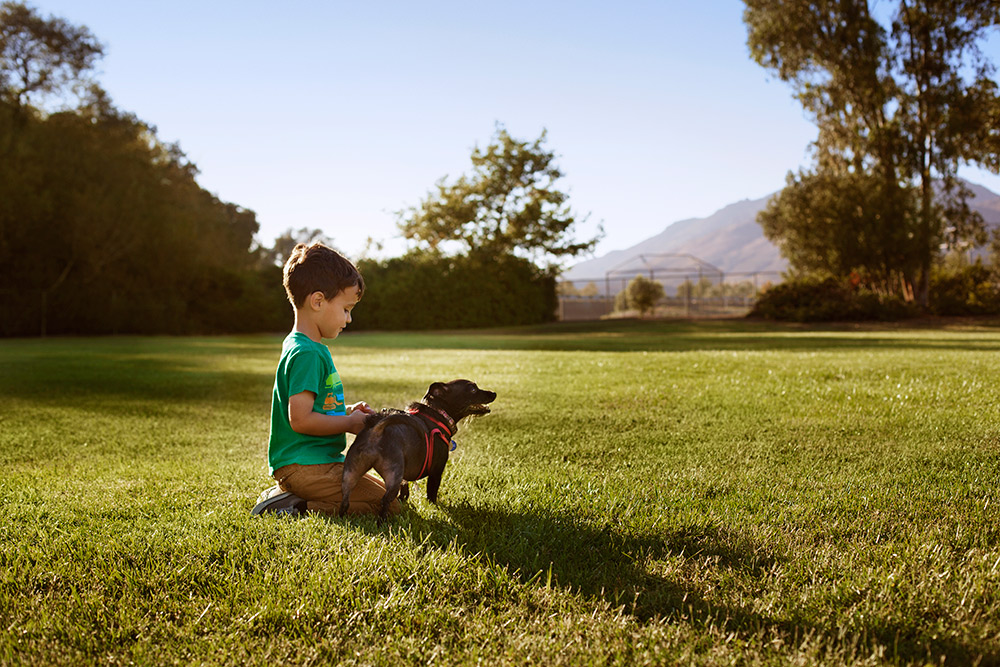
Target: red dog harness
point(445, 433)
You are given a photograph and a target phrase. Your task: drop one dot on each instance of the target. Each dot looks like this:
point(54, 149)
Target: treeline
point(103, 227)
point(105, 230)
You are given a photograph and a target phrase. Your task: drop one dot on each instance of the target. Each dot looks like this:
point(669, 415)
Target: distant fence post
point(687, 296)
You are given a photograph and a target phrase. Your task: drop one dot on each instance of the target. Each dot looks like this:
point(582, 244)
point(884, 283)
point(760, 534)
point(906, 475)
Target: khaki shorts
point(319, 486)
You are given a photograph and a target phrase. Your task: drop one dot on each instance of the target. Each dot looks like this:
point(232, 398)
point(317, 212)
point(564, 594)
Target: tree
point(567, 289)
point(100, 209)
point(40, 56)
point(742, 289)
point(994, 250)
point(642, 294)
point(699, 290)
point(508, 204)
point(833, 225)
point(286, 242)
point(899, 105)
point(103, 227)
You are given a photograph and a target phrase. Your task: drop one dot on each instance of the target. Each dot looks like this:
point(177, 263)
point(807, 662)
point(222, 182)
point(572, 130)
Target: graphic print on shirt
point(333, 404)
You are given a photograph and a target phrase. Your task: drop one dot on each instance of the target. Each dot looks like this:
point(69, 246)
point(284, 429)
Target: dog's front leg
point(404, 490)
point(433, 483)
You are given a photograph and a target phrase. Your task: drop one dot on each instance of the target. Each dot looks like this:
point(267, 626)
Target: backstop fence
point(691, 286)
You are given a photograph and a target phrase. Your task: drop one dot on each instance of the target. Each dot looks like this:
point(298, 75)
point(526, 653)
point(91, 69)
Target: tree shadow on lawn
point(114, 383)
point(609, 564)
point(705, 335)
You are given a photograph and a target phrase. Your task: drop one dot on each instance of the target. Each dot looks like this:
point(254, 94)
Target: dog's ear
point(436, 390)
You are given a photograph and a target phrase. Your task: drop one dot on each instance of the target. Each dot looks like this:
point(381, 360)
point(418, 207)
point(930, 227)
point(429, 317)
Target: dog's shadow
point(602, 562)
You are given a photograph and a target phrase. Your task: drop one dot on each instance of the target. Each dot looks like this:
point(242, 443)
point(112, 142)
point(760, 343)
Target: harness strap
point(442, 430)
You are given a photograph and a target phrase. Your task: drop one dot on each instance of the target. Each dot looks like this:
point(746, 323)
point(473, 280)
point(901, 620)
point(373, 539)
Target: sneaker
point(267, 494)
point(293, 512)
point(276, 501)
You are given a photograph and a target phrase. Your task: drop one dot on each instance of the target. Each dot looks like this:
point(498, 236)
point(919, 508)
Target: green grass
point(644, 493)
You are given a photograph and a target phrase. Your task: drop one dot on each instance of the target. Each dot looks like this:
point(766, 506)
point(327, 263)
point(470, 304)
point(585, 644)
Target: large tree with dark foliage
point(103, 227)
point(902, 96)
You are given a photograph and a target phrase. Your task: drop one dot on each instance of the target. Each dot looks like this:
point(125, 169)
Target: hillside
point(729, 239)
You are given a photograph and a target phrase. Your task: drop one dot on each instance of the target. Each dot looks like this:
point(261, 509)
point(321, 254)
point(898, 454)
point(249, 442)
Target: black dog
point(407, 446)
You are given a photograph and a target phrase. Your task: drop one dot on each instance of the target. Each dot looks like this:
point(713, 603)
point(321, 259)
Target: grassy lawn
point(644, 493)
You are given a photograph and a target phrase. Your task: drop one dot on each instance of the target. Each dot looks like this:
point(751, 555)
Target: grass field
point(644, 493)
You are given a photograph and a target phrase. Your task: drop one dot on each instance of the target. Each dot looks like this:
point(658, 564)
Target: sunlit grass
point(644, 493)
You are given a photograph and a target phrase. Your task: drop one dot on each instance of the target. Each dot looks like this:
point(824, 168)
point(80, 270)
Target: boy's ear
point(315, 300)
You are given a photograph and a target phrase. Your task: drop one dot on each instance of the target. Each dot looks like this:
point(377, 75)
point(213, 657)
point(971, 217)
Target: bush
point(643, 293)
point(971, 290)
point(826, 300)
point(424, 291)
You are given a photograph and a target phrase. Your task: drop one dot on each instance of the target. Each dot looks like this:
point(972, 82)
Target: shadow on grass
point(108, 373)
point(111, 375)
point(610, 564)
point(599, 562)
point(702, 335)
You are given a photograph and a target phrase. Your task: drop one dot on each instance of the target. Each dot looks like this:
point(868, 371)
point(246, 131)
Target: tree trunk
point(45, 296)
point(42, 325)
point(926, 212)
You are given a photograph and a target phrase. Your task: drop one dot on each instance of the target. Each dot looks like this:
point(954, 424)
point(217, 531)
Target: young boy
point(309, 418)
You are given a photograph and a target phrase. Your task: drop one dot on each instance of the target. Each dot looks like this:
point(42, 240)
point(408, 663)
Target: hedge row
point(420, 291)
point(973, 290)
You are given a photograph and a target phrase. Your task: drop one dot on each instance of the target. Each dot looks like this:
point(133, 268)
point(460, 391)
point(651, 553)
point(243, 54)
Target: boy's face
point(335, 314)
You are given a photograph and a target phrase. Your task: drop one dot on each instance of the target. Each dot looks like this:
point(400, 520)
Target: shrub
point(643, 293)
point(825, 300)
point(971, 290)
point(425, 291)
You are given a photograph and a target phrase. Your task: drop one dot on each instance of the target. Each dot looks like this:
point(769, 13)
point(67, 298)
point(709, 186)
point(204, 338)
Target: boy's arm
point(304, 420)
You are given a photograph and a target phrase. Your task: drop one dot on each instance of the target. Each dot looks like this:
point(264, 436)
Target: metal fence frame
point(676, 269)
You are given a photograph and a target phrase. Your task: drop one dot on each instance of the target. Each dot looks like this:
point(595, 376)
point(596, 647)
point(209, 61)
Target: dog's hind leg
point(391, 469)
point(354, 470)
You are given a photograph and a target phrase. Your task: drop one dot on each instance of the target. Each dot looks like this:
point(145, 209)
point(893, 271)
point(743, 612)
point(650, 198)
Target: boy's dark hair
point(319, 268)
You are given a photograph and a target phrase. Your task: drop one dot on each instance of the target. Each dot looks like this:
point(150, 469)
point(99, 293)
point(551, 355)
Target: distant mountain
point(729, 239)
point(986, 202)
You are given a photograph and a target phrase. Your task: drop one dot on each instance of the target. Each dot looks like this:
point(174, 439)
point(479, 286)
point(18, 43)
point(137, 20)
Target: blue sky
point(334, 115)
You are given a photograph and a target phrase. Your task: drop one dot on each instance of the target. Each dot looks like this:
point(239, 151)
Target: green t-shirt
point(305, 365)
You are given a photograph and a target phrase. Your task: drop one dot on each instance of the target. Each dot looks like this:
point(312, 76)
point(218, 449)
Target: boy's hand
point(356, 421)
point(303, 419)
